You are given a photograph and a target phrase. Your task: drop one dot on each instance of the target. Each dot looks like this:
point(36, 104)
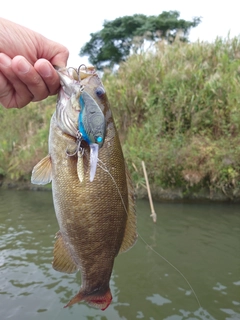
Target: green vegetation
point(24, 138)
point(177, 108)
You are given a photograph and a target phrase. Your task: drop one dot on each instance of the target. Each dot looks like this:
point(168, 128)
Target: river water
point(201, 240)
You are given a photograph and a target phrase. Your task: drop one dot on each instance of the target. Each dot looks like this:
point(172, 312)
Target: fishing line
point(104, 168)
point(175, 268)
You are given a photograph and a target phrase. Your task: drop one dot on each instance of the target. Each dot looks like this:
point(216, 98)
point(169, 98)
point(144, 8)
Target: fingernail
point(23, 66)
point(45, 70)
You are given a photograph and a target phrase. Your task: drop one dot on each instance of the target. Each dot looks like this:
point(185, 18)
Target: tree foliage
point(119, 37)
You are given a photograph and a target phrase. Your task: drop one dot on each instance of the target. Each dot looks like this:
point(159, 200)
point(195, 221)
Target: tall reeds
point(178, 109)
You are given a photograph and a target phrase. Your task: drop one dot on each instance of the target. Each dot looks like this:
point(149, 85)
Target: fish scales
point(100, 203)
point(96, 219)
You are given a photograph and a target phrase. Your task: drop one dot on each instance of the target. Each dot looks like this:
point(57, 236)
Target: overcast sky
point(71, 22)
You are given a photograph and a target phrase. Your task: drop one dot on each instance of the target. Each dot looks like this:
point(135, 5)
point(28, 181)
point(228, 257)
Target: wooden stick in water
point(153, 215)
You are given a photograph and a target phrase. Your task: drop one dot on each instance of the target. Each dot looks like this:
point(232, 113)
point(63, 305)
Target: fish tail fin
point(97, 299)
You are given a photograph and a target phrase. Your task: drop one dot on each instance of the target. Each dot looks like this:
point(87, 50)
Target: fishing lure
point(92, 128)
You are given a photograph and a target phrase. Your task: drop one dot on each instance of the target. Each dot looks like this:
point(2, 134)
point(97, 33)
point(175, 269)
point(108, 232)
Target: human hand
point(26, 65)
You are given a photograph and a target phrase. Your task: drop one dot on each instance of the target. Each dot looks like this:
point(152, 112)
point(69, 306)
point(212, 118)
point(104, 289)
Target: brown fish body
point(96, 219)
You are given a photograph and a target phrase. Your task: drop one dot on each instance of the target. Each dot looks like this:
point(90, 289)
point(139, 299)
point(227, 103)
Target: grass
point(178, 109)
point(24, 138)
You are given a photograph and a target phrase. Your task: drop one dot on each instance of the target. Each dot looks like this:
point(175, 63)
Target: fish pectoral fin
point(62, 259)
point(130, 235)
point(42, 172)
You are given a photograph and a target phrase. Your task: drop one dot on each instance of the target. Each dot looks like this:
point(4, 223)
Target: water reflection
point(201, 240)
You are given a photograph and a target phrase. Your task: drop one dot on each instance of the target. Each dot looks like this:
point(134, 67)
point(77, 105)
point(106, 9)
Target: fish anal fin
point(42, 172)
point(98, 299)
point(62, 259)
point(130, 235)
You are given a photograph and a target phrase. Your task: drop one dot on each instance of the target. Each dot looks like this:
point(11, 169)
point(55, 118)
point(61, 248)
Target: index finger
point(55, 53)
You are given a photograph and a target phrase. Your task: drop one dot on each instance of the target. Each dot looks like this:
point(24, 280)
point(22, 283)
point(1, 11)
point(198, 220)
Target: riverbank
point(176, 108)
point(158, 194)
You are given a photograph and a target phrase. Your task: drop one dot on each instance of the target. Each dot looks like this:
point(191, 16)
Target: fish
point(92, 191)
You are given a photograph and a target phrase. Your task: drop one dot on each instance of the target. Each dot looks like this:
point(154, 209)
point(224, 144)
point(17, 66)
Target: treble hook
point(79, 68)
point(79, 149)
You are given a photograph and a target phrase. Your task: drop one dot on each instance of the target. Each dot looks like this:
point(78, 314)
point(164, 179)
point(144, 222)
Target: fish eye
point(100, 91)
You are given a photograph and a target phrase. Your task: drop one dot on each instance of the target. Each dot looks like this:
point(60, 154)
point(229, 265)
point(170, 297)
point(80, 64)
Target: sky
point(71, 22)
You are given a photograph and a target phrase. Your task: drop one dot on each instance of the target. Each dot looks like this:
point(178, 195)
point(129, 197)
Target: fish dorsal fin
point(42, 172)
point(62, 259)
point(130, 236)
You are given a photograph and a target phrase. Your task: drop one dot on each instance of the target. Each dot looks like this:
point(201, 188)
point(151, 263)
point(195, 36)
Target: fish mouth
point(69, 84)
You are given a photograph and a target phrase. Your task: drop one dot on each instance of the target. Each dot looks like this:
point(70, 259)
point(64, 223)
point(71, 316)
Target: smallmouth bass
point(92, 190)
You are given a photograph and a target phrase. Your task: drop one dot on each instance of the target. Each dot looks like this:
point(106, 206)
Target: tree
point(115, 41)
